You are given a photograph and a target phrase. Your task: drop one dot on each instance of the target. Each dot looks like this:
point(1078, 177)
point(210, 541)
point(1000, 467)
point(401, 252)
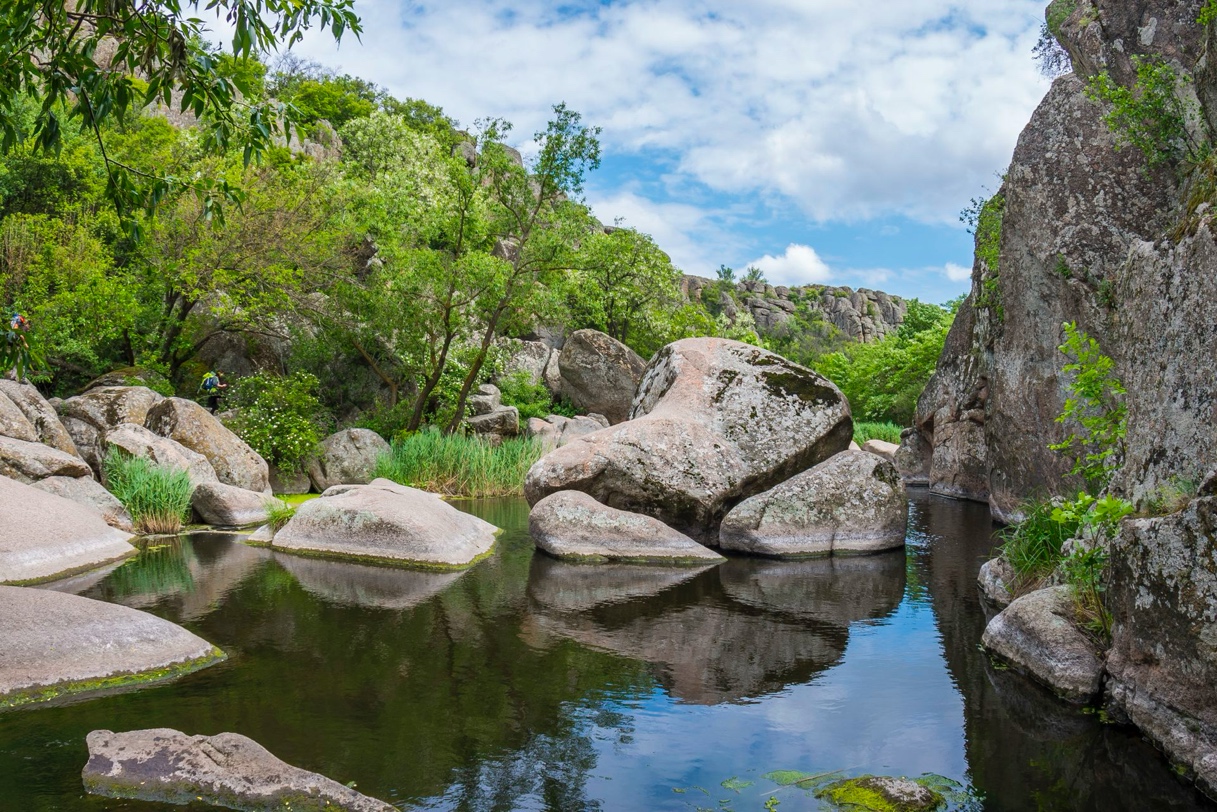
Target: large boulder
point(89, 492)
point(137, 441)
point(386, 523)
point(347, 458)
point(226, 506)
point(48, 430)
point(188, 423)
point(44, 536)
point(571, 524)
point(485, 400)
point(227, 769)
point(31, 461)
point(852, 502)
point(714, 422)
point(600, 374)
point(13, 423)
point(557, 430)
point(89, 416)
point(501, 423)
point(1039, 634)
point(55, 644)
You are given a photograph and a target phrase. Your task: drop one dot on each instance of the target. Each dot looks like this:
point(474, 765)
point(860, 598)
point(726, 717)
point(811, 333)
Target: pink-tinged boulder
point(600, 374)
point(31, 461)
point(188, 423)
point(138, 441)
point(88, 491)
point(89, 416)
point(48, 430)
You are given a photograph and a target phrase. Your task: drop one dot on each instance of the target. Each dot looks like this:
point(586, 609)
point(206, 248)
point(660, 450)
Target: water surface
point(526, 683)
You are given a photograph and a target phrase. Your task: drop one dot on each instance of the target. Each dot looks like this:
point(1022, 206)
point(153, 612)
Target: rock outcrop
point(192, 426)
point(137, 441)
point(573, 525)
point(224, 770)
point(386, 523)
point(556, 430)
point(39, 414)
point(853, 502)
point(600, 374)
point(87, 417)
point(56, 644)
point(714, 422)
point(44, 536)
point(346, 457)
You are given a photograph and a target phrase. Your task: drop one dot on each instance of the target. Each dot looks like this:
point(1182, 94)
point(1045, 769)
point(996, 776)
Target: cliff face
point(1093, 234)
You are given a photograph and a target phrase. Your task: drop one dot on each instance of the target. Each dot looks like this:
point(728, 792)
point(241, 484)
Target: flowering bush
point(280, 417)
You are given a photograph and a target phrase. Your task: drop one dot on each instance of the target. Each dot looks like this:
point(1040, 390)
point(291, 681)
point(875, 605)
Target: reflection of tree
point(161, 568)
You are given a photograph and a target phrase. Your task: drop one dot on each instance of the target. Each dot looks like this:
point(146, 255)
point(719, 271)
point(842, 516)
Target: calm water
point(526, 683)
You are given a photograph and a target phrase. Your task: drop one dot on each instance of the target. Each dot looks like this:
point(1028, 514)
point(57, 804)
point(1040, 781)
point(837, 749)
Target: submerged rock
point(600, 374)
point(347, 457)
point(224, 770)
point(225, 506)
point(714, 421)
point(1038, 634)
point(31, 461)
point(55, 644)
point(188, 423)
point(88, 492)
point(571, 524)
point(386, 523)
point(851, 503)
point(881, 793)
point(44, 536)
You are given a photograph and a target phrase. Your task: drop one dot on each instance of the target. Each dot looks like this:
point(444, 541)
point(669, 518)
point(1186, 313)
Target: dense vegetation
point(156, 496)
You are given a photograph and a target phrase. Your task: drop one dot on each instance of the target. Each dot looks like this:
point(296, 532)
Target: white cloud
point(957, 273)
point(800, 265)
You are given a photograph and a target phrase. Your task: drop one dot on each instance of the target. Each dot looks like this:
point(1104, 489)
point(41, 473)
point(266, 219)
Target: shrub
point(887, 432)
point(278, 514)
point(156, 496)
point(531, 398)
point(1150, 115)
point(459, 465)
point(1095, 407)
point(279, 417)
point(1033, 546)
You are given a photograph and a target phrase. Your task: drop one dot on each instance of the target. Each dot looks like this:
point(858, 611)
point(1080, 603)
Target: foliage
point(459, 465)
point(278, 514)
point(1150, 116)
point(279, 417)
point(1209, 13)
point(532, 398)
point(156, 496)
point(1050, 56)
point(887, 432)
point(16, 354)
point(988, 225)
point(80, 61)
point(1034, 546)
point(1095, 406)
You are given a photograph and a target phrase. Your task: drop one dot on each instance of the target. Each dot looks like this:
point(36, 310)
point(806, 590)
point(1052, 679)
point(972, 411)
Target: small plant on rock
point(156, 496)
point(1150, 115)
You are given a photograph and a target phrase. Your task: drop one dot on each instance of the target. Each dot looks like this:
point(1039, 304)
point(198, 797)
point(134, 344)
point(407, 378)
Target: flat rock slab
point(53, 643)
point(389, 524)
point(32, 461)
point(226, 770)
point(44, 536)
point(573, 525)
point(1037, 633)
point(227, 506)
point(89, 492)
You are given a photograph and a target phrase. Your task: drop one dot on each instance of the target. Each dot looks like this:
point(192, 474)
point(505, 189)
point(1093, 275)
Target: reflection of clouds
point(349, 584)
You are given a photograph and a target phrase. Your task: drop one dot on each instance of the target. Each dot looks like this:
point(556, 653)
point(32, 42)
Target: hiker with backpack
point(211, 387)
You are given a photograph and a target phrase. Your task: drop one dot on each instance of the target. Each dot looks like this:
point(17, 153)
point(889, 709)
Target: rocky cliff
point(1086, 230)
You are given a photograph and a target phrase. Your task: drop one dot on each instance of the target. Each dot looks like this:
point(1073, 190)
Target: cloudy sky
point(830, 141)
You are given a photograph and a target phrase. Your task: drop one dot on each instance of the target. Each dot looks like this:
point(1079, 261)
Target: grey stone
point(223, 770)
point(137, 441)
point(13, 423)
point(996, 579)
point(48, 430)
point(386, 523)
point(913, 457)
point(347, 457)
point(89, 492)
point(1038, 634)
point(714, 422)
point(852, 502)
point(487, 399)
point(188, 423)
point(557, 430)
point(55, 644)
point(600, 374)
point(571, 524)
point(881, 448)
point(31, 461)
point(44, 536)
point(89, 416)
point(297, 482)
point(226, 506)
point(502, 422)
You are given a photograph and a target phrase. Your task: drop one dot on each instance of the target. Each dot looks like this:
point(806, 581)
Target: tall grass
point(887, 432)
point(456, 465)
point(156, 496)
point(1033, 547)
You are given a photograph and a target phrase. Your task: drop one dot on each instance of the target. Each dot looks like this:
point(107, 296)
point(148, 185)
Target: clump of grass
point(458, 465)
point(156, 496)
point(279, 514)
point(1034, 546)
point(887, 432)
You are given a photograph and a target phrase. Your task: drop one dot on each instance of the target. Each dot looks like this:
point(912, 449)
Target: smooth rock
point(852, 502)
point(31, 461)
point(89, 492)
point(40, 414)
point(225, 506)
point(571, 524)
point(714, 422)
point(881, 448)
point(188, 423)
point(138, 441)
point(1038, 634)
point(487, 399)
point(13, 423)
point(600, 374)
point(386, 523)
point(55, 643)
point(223, 770)
point(347, 457)
point(44, 536)
point(89, 416)
point(996, 579)
point(503, 422)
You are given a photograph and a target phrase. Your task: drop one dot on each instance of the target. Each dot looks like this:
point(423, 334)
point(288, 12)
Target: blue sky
point(829, 141)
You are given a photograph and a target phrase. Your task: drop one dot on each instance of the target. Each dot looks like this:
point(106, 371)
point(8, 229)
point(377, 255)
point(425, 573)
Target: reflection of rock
point(363, 585)
point(224, 770)
point(839, 590)
point(563, 586)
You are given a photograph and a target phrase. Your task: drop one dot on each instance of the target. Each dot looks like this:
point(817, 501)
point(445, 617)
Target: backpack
point(211, 382)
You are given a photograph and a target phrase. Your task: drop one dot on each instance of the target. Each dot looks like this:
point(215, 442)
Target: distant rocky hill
point(861, 315)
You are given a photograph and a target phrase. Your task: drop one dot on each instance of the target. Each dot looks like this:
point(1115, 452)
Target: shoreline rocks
point(346, 457)
point(226, 506)
point(29, 462)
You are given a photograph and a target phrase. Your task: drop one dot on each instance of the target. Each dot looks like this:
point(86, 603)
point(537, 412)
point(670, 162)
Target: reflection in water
point(528, 683)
